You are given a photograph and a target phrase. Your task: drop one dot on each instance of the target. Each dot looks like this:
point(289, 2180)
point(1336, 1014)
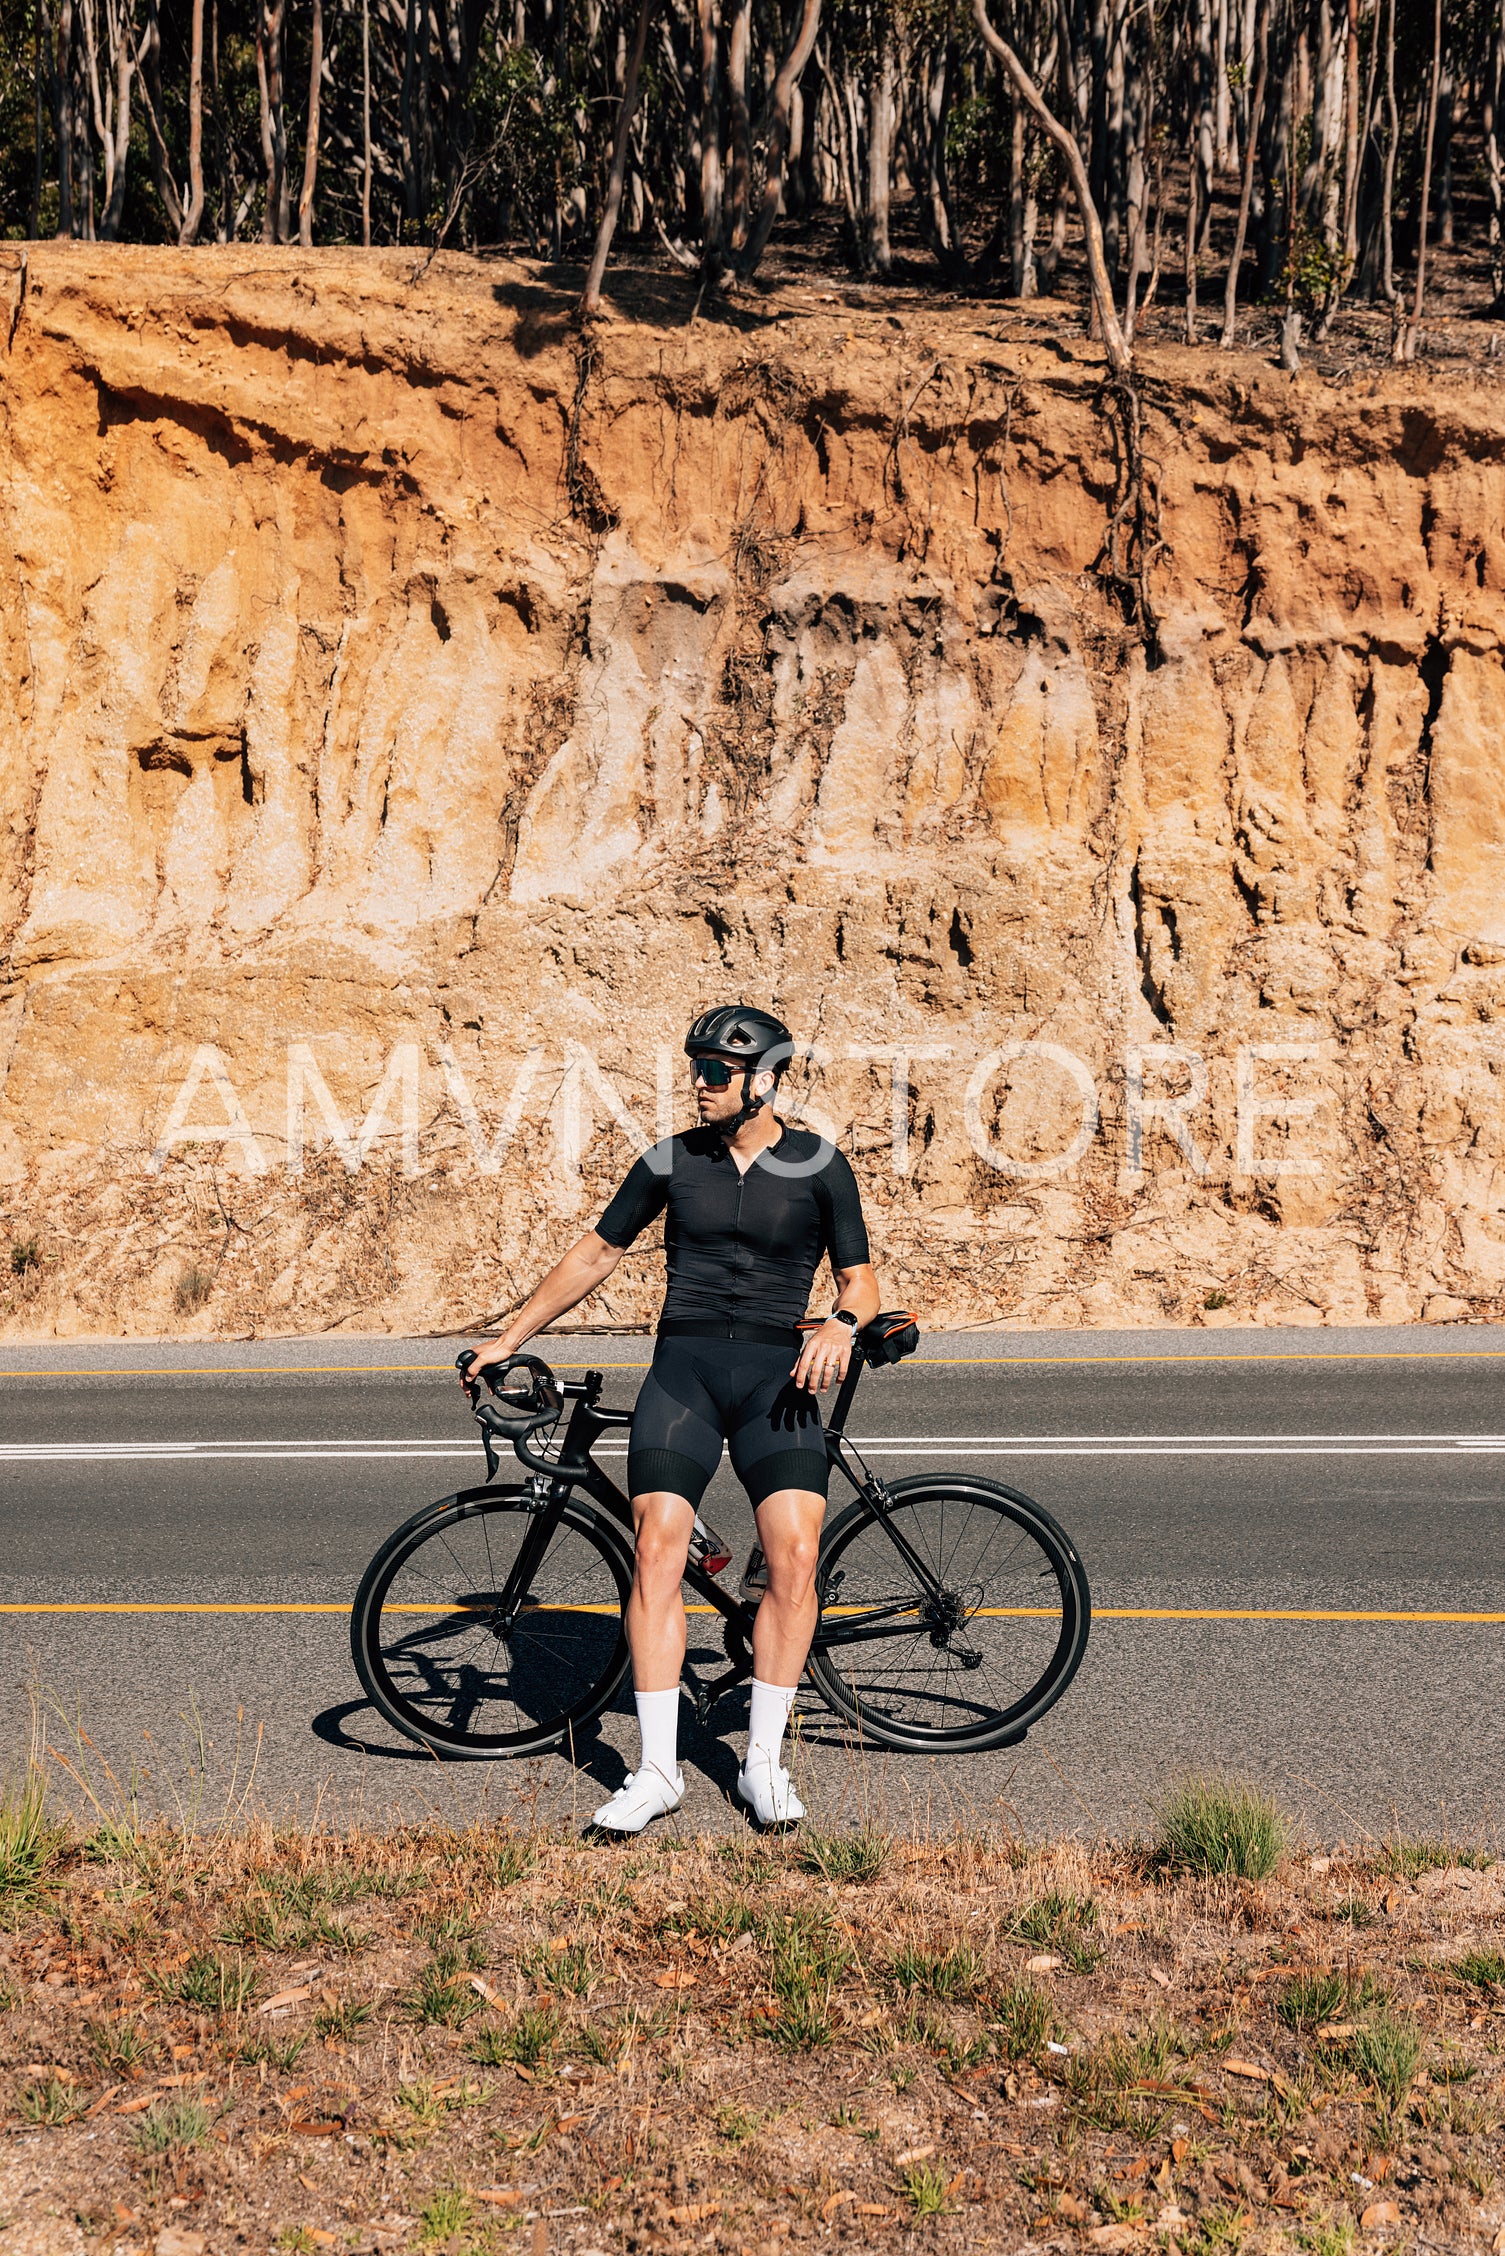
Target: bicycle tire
point(888, 1689)
point(555, 1649)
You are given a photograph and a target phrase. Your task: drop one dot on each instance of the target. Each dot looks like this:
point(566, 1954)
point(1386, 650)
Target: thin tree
point(1246, 185)
point(189, 231)
point(1405, 343)
point(366, 123)
point(1120, 355)
point(591, 299)
point(311, 138)
point(780, 108)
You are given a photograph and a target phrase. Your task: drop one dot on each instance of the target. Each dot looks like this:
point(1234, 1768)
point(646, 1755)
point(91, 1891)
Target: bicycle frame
point(552, 1480)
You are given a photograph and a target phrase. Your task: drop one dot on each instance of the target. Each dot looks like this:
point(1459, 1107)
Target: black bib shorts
point(700, 1392)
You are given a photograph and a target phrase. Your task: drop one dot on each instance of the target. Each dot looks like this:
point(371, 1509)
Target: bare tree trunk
point(710, 131)
point(193, 216)
point(366, 124)
point(1387, 189)
point(1494, 93)
point(1405, 343)
point(62, 117)
point(269, 21)
point(1120, 358)
point(591, 300)
point(410, 166)
point(311, 139)
point(1193, 183)
point(1246, 186)
point(1351, 139)
point(780, 109)
point(880, 160)
point(739, 40)
point(156, 139)
point(1016, 199)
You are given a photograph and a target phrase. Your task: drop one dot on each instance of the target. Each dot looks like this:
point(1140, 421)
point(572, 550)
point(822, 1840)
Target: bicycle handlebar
point(522, 1410)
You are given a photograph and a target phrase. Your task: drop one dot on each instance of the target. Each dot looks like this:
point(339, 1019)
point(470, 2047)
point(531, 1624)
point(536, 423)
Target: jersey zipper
point(737, 1243)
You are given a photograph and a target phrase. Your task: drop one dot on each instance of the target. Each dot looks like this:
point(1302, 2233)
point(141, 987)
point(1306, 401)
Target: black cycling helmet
point(754, 1038)
point(738, 1030)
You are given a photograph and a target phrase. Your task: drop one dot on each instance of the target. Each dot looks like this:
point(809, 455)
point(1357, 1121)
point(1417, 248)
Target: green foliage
point(342, 2021)
point(529, 2039)
point(1062, 1923)
point(848, 1857)
point(446, 2213)
point(1333, 2237)
point(1406, 1858)
point(50, 2104)
point(1485, 1969)
point(173, 2126)
point(1311, 1999)
point(1385, 2052)
point(942, 1974)
point(24, 1255)
point(123, 2044)
point(441, 1995)
point(925, 2183)
point(209, 1984)
point(1021, 2019)
point(1220, 1825)
point(807, 1959)
point(29, 1842)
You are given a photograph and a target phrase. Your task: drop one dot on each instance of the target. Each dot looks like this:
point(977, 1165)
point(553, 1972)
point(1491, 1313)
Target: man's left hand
point(824, 1356)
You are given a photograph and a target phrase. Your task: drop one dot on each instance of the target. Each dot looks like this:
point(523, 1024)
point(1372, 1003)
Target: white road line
point(896, 1445)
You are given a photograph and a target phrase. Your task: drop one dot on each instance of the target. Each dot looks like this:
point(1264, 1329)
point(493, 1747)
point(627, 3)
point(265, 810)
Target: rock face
point(408, 719)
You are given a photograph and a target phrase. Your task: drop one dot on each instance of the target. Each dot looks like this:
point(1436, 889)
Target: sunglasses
point(715, 1073)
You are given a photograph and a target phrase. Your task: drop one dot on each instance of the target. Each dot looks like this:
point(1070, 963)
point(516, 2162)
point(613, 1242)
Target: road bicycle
point(953, 1612)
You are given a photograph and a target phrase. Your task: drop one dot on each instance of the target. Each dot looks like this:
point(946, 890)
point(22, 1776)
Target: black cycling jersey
point(741, 1248)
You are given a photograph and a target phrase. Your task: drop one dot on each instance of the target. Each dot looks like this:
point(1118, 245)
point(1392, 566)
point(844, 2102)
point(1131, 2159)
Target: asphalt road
point(1213, 1482)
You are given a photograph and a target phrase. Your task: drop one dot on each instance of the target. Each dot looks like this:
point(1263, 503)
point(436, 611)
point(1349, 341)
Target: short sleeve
point(846, 1232)
point(640, 1200)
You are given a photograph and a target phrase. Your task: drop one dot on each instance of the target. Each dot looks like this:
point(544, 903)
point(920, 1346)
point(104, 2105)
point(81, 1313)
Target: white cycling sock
point(658, 1728)
point(769, 1717)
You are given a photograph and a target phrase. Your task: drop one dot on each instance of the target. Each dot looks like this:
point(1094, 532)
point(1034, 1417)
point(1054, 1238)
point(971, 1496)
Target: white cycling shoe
point(769, 1793)
point(642, 1796)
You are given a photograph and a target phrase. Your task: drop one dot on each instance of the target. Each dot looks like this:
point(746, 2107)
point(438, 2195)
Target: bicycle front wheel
point(968, 1654)
point(436, 1655)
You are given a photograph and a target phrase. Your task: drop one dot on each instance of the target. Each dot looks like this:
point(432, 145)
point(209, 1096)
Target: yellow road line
point(931, 1362)
point(989, 1613)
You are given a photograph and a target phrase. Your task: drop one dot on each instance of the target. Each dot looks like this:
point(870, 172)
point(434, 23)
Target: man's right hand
point(485, 1352)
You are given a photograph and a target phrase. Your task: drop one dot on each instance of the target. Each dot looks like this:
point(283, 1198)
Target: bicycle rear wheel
point(430, 1646)
point(972, 1663)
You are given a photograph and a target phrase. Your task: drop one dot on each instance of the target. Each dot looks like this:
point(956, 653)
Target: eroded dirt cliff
point(393, 690)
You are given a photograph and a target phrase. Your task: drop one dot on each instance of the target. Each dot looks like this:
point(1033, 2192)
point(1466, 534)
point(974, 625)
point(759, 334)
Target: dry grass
point(464, 2041)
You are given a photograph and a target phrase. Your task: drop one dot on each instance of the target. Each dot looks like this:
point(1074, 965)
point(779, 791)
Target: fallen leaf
point(871, 2209)
point(914, 2154)
point(743, 1943)
point(871, 2018)
point(829, 2208)
point(282, 1998)
point(1159, 1977)
point(568, 2122)
point(1114, 2236)
point(134, 2106)
point(1497, 2245)
point(483, 1989)
point(1178, 2149)
point(309, 2185)
point(102, 2102)
point(527, 2074)
point(1044, 1963)
point(1320, 1864)
point(172, 2242)
point(320, 2238)
point(1380, 2213)
point(317, 2126)
point(1171, 2219)
point(694, 2212)
point(674, 1978)
point(1336, 2029)
point(1246, 2068)
point(1072, 2208)
point(500, 2197)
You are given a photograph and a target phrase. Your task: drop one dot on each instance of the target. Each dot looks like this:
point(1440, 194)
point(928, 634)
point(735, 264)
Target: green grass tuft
point(50, 2104)
point(926, 2183)
point(1485, 1969)
point(28, 1840)
point(1217, 1825)
point(173, 2126)
point(845, 1857)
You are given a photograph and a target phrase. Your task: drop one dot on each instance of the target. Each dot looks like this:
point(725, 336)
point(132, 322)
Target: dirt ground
point(464, 2041)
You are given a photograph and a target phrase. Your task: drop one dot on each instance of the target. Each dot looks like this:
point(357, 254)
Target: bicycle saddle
point(518, 1411)
point(890, 1337)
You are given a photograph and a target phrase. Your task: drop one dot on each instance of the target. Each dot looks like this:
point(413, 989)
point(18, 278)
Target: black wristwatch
point(842, 1316)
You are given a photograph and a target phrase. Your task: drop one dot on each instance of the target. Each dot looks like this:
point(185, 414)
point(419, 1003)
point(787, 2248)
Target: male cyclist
point(750, 1206)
